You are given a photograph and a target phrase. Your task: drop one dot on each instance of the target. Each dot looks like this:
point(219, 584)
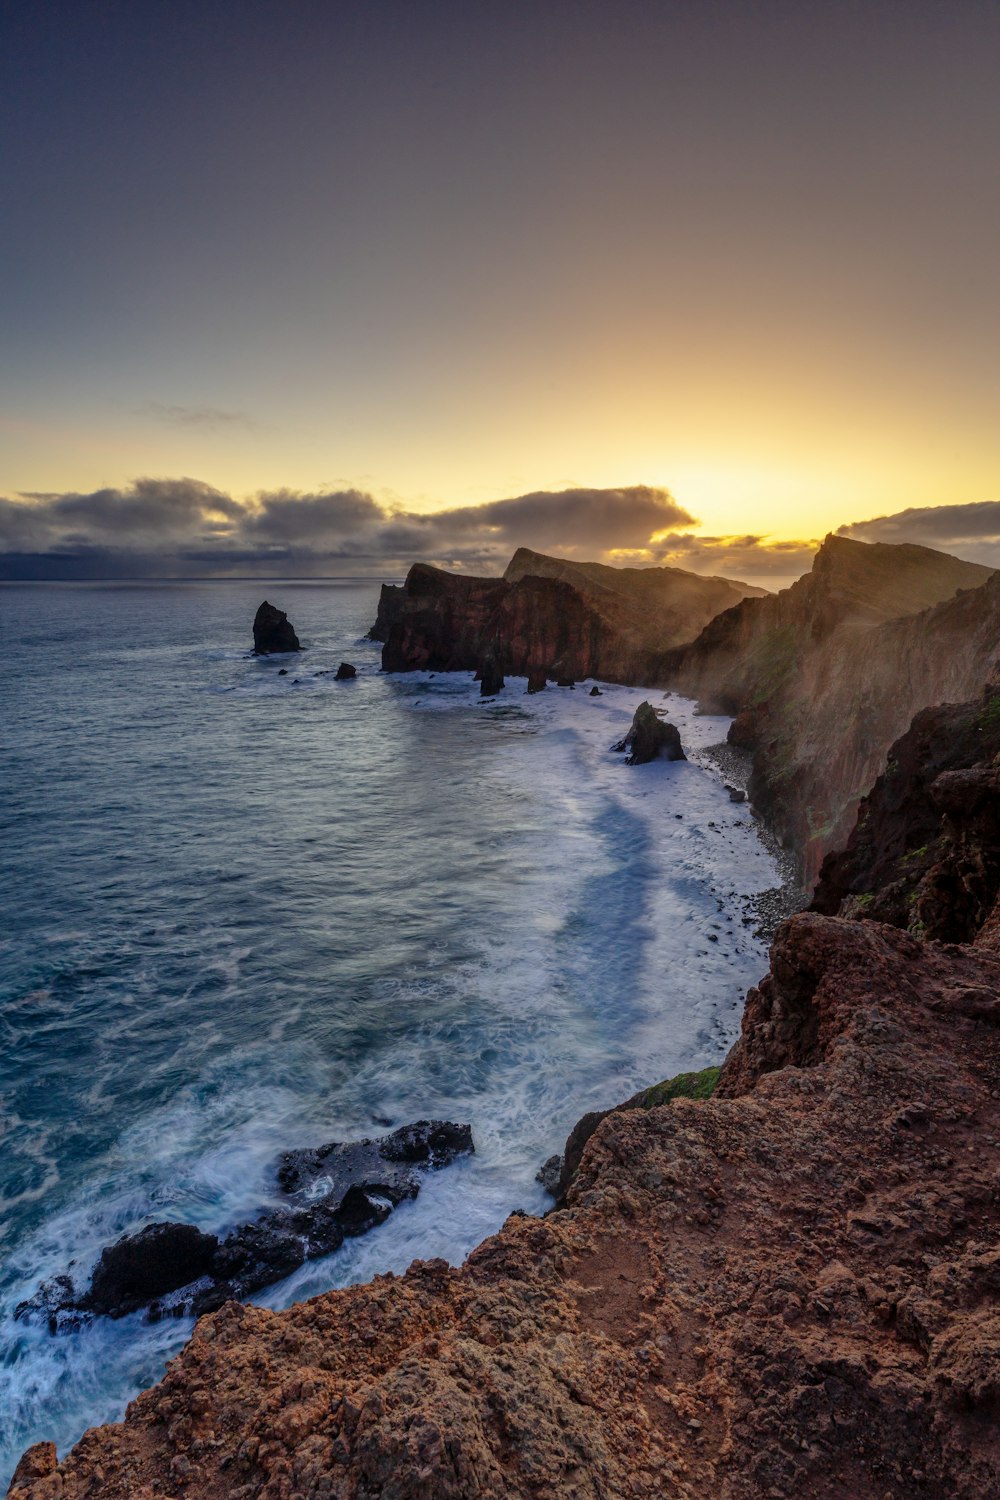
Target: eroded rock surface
point(272, 632)
point(548, 617)
point(786, 1290)
point(825, 675)
point(650, 738)
point(333, 1192)
point(925, 851)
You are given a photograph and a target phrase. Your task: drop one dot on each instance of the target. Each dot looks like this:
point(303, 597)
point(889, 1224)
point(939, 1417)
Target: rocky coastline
point(775, 1282)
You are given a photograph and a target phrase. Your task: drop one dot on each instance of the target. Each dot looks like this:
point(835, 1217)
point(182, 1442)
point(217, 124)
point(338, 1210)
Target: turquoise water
point(244, 912)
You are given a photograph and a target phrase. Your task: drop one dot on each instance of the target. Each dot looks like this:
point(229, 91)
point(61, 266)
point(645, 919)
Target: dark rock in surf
point(595, 692)
point(140, 1267)
point(283, 672)
point(272, 632)
point(335, 1191)
point(549, 1175)
point(565, 682)
point(650, 738)
point(536, 681)
point(490, 679)
point(345, 672)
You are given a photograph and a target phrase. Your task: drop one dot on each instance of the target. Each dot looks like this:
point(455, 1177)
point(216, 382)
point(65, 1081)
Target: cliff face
point(925, 851)
point(826, 674)
point(786, 1290)
point(548, 615)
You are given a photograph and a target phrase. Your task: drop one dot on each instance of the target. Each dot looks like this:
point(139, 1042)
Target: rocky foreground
point(789, 1289)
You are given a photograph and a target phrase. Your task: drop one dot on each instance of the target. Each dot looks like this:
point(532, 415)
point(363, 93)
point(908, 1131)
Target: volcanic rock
point(550, 616)
point(924, 853)
point(490, 679)
point(143, 1266)
point(272, 632)
point(390, 605)
point(826, 674)
point(536, 682)
point(785, 1290)
point(595, 692)
point(345, 672)
point(650, 738)
point(337, 1190)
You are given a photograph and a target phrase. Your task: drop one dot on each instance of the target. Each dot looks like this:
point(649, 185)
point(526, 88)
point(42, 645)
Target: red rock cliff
point(826, 674)
point(788, 1290)
point(548, 615)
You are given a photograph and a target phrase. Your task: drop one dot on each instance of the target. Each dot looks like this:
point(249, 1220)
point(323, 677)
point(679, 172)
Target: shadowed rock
point(650, 738)
point(536, 681)
point(339, 1190)
point(272, 632)
point(490, 679)
point(345, 672)
point(143, 1266)
point(550, 615)
point(595, 692)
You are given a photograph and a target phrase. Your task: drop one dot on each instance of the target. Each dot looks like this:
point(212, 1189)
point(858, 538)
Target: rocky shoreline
point(776, 1282)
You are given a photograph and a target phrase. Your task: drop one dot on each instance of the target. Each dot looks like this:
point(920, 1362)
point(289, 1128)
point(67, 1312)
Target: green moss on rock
point(684, 1086)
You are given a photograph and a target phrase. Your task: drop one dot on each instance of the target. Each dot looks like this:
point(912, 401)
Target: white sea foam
point(618, 957)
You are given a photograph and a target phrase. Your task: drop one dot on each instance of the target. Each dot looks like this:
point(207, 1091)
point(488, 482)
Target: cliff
point(786, 1290)
point(924, 853)
point(826, 674)
point(565, 619)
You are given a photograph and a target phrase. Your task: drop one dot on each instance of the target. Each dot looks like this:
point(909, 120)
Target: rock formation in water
point(345, 672)
point(788, 1289)
point(826, 674)
point(334, 1192)
point(491, 679)
point(650, 738)
point(272, 632)
point(566, 620)
point(390, 604)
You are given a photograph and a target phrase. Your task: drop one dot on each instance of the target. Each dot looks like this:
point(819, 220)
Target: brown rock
point(775, 1293)
point(825, 675)
point(550, 616)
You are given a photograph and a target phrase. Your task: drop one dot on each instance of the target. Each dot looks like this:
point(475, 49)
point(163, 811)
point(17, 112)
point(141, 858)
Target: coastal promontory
point(548, 615)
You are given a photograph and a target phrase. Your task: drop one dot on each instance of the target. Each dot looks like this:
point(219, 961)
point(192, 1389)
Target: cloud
point(211, 418)
point(971, 531)
point(186, 528)
point(149, 514)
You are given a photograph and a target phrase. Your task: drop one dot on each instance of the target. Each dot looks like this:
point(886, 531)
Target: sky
point(297, 286)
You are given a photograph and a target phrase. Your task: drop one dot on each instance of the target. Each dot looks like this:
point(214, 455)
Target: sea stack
point(273, 632)
point(651, 738)
point(345, 672)
point(491, 679)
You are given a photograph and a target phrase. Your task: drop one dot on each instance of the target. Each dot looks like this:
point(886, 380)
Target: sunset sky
point(434, 255)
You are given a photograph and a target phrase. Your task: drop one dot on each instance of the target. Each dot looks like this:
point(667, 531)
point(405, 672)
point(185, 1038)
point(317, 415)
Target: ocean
point(244, 912)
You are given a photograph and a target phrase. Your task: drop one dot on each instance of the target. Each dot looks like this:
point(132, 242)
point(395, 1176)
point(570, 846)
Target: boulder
point(650, 738)
point(536, 681)
point(595, 692)
point(272, 632)
point(143, 1266)
point(549, 1175)
point(565, 682)
point(345, 672)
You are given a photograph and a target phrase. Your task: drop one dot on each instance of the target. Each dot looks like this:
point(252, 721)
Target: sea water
point(246, 911)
